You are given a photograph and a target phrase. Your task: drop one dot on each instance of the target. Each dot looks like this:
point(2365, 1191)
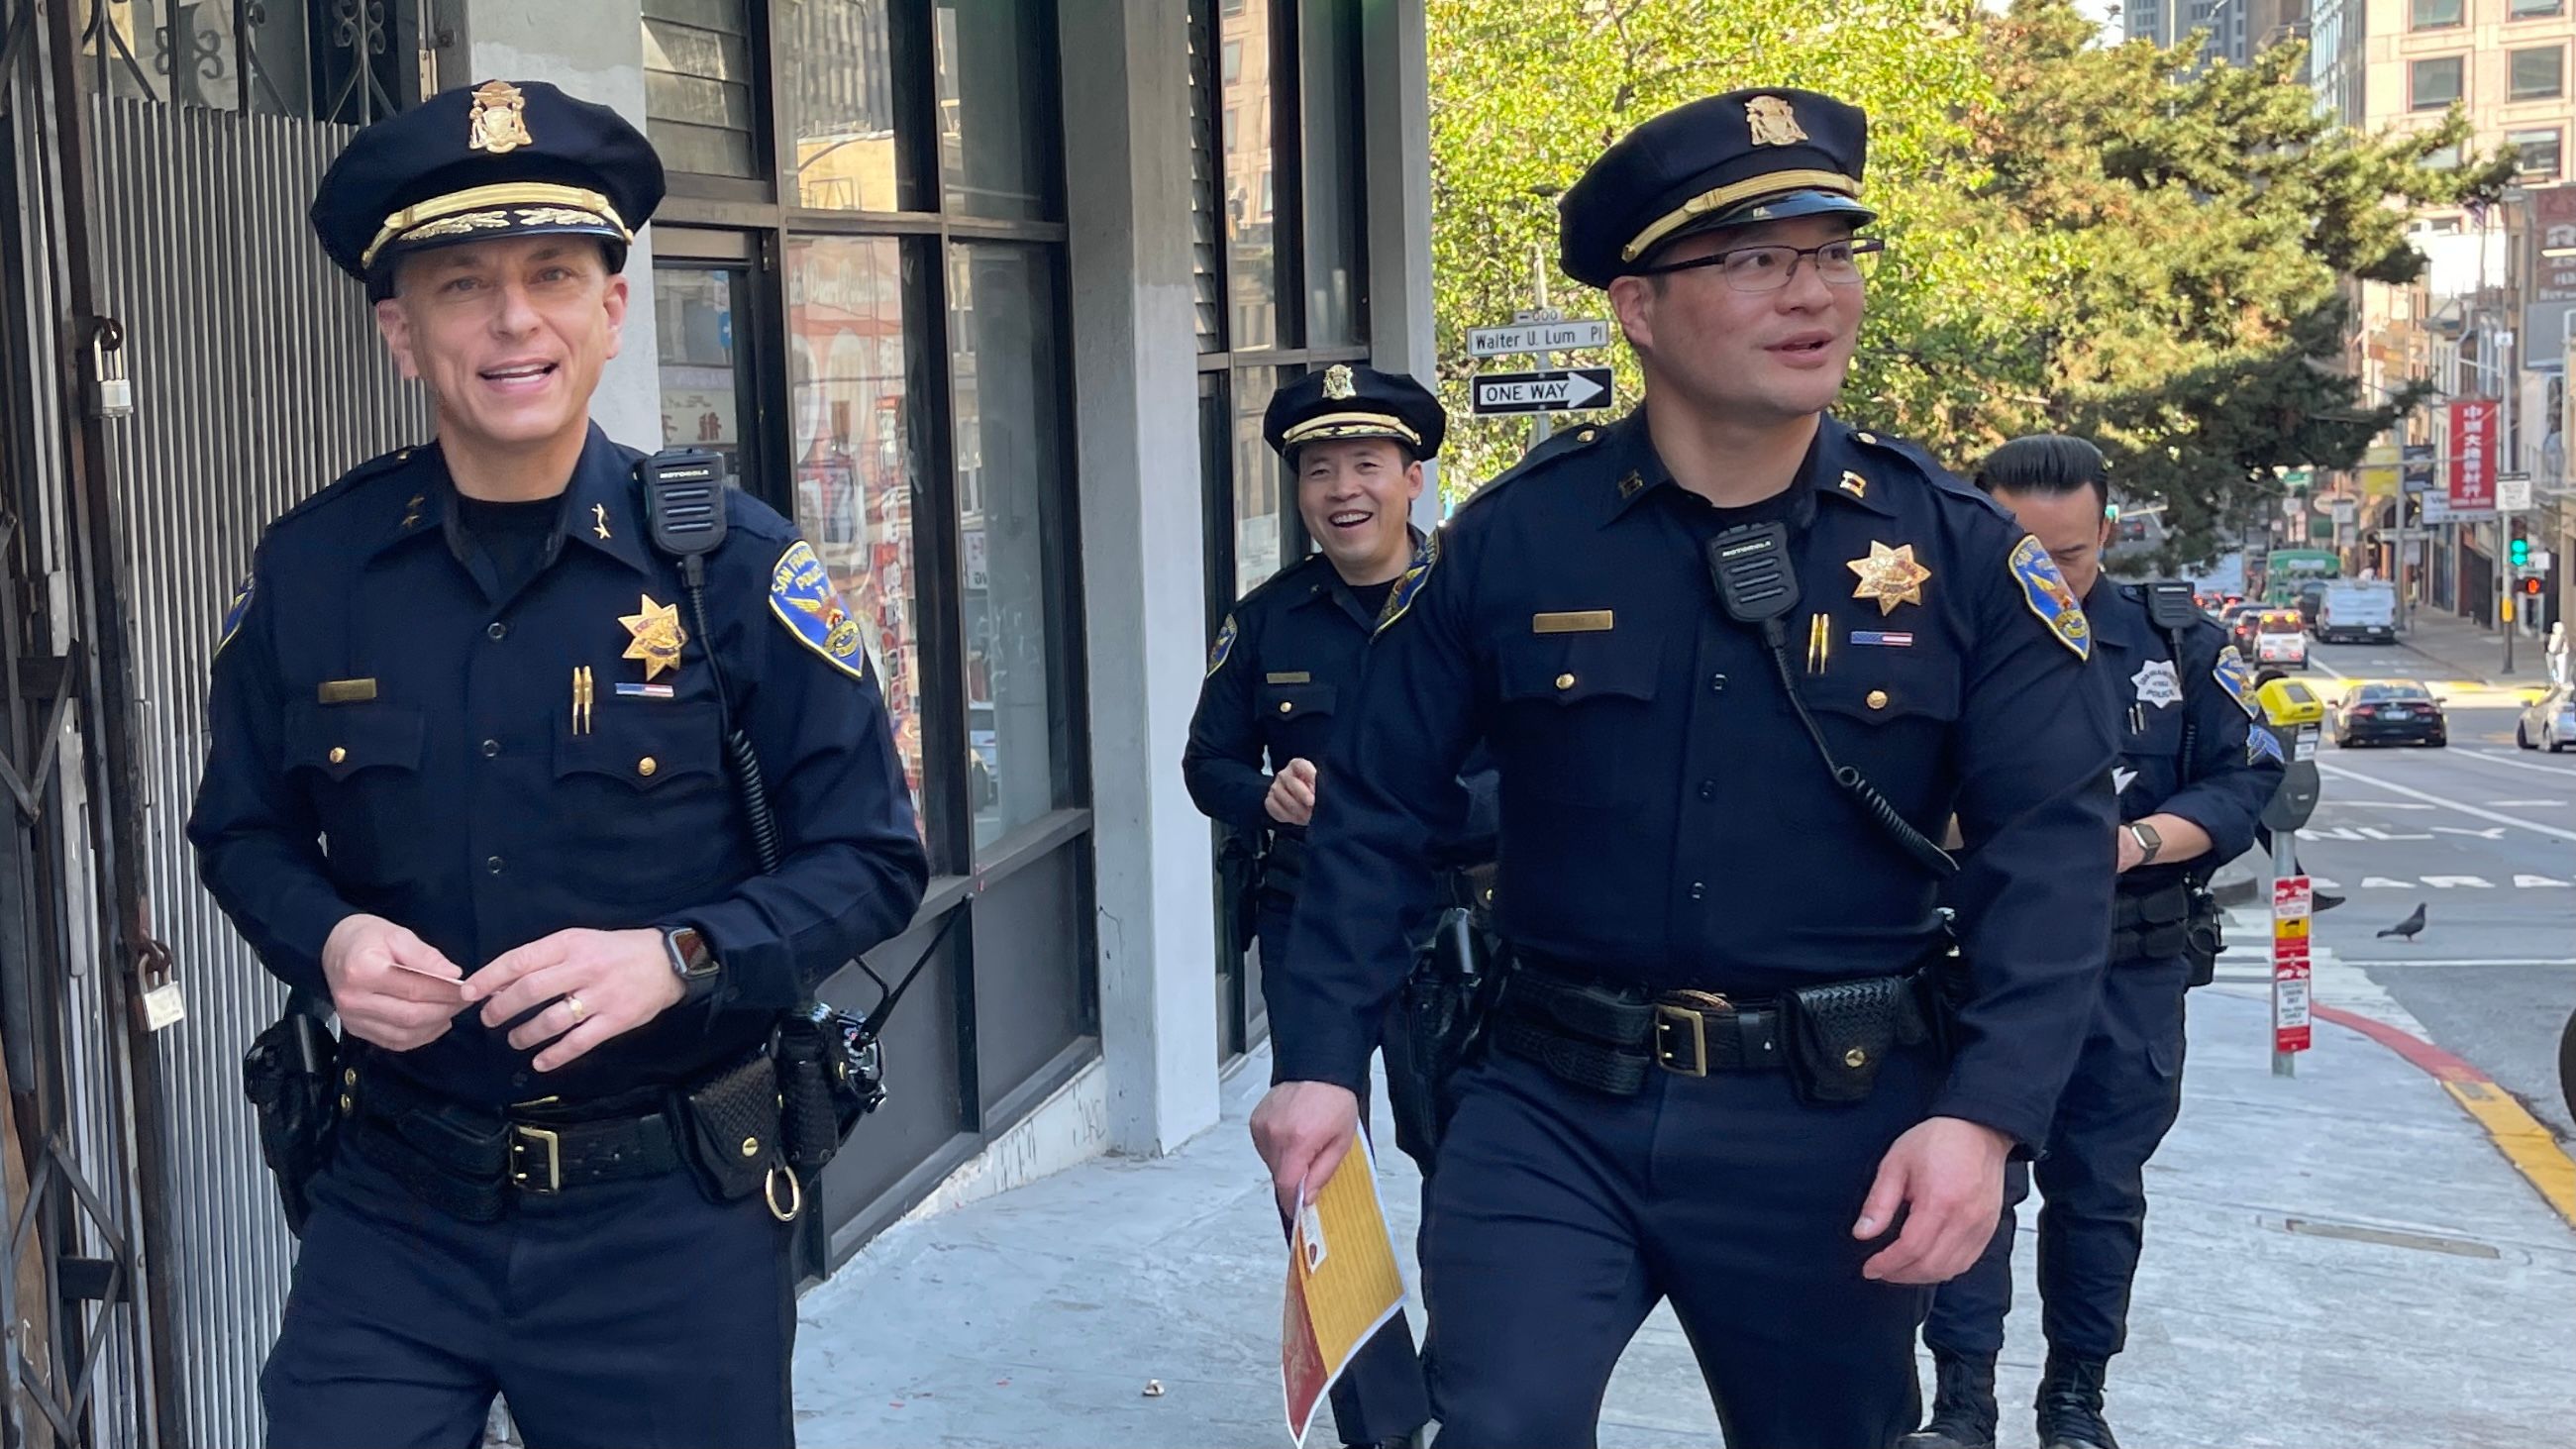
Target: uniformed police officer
point(2192, 779)
point(1715, 1076)
point(467, 782)
point(1284, 664)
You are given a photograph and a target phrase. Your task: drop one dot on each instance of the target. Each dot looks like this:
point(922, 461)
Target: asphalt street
point(2483, 836)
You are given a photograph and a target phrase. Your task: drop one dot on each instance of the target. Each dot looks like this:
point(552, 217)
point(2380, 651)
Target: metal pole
point(2285, 863)
point(1542, 427)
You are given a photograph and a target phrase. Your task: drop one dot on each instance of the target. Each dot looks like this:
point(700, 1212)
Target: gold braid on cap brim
point(479, 208)
point(1733, 192)
point(1349, 425)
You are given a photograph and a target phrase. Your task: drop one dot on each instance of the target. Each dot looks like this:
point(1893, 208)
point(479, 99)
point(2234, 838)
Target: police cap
point(1730, 160)
point(499, 159)
point(1343, 401)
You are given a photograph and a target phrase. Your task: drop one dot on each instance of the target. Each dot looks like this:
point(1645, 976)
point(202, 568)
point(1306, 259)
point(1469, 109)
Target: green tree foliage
point(2108, 240)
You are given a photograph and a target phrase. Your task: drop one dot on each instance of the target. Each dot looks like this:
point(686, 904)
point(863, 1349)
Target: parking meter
point(2293, 717)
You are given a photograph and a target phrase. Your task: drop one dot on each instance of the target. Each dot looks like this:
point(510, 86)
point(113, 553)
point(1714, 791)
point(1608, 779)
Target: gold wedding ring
point(578, 1010)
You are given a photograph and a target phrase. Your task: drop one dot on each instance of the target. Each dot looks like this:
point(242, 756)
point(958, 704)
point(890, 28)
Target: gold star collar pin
point(657, 639)
point(1890, 576)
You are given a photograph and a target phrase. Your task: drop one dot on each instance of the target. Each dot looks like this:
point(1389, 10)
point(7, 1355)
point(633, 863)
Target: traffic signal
point(2518, 552)
point(2531, 586)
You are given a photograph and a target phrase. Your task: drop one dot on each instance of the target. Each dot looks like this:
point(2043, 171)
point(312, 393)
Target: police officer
point(2192, 778)
point(467, 782)
point(1715, 1075)
point(1284, 663)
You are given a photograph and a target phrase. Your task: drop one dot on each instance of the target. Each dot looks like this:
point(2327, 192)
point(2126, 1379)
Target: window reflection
point(992, 95)
point(851, 360)
point(839, 96)
point(702, 386)
point(1259, 545)
point(1010, 460)
point(1252, 261)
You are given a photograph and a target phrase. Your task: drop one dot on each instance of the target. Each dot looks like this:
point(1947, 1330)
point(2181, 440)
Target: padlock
point(112, 392)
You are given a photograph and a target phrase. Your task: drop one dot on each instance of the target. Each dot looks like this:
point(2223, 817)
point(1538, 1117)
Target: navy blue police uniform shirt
point(397, 732)
point(1665, 819)
point(1279, 677)
point(2233, 768)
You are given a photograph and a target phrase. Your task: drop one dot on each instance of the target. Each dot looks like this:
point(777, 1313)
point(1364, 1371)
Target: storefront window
point(697, 86)
point(838, 96)
point(703, 384)
point(1010, 467)
point(993, 103)
point(852, 304)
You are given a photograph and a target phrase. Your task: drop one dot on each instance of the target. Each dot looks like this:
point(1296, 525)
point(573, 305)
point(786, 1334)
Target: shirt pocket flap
point(1886, 690)
point(341, 740)
point(1570, 668)
point(644, 746)
point(1296, 701)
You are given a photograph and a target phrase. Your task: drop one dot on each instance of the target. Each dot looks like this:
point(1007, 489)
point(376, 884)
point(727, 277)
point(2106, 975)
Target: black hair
point(2047, 464)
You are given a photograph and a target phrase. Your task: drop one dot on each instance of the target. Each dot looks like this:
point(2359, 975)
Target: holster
point(1840, 1033)
point(288, 1074)
point(732, 1136)
point(1283, 866)
point(1439, 1029)
point(2205, 935)
point(830, 1074)
point(1239, 876)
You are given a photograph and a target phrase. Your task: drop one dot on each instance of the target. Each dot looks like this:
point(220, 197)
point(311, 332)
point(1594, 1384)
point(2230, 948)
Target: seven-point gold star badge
point(1889, 575)
point(658, 637)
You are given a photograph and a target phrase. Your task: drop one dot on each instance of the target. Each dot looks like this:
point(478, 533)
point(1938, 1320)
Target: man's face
point(1353, 494)
point(508, 335)
point(2073, 527)
point(1755, 356)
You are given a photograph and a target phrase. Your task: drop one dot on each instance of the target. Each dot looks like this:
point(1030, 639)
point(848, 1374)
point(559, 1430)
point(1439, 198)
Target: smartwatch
point(2149, 842)
point(692, 962)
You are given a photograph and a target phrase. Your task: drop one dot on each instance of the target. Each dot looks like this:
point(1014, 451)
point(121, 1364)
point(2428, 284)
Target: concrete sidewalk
point(2340, 1258)
point(2463, 650)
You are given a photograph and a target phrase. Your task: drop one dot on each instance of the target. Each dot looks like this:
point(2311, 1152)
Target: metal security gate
point(182, 142)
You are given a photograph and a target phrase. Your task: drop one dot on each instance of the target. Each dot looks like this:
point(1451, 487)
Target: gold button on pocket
point(1565, 681)
point(1855, 1058)
point(338, 754)
point(751, 1147)
point(1287, 706)
point(646, 766)
point(1877, 699)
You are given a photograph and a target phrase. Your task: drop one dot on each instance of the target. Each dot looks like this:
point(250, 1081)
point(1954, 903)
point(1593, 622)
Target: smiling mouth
point(1802, 346)
point(518, 372)
point(1349, 519)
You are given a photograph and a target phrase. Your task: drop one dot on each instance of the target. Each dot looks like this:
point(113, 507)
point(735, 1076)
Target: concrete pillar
point(1135, 375)
point(594, 50)
point(1395, 101)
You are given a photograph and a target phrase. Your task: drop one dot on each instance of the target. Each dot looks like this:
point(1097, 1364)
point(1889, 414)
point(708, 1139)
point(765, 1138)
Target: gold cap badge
point(500, 124)
point(1337, 382)
point(1773, 123)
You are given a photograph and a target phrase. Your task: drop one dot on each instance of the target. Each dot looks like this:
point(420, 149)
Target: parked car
point(2549, 722)
point(2279, 640)
point(2362, 611)
point(2239, 623)
point(2386, 714)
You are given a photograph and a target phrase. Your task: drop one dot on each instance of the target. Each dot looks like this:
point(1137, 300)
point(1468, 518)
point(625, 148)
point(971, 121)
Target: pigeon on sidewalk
point(2408, 928)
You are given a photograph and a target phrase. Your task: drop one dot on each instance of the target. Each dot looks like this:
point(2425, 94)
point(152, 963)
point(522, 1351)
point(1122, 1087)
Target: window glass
point(837, 94)
point(2527, 9)
point(2434, 84)
point(2537, 152)
point(2539, 73)
point(1261, 498)
point(697, 86)
point(704, 399)
point(1335, 255)
point(2434, 14)
point(1207, 231)
point(1010, 467)
point(1252, 252)
point(993, 96)
point(853, 314)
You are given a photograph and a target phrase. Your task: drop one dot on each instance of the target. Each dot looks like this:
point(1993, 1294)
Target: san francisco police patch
point(1224, 645)
point(802, 596)
point(2044, 588)
point(1409, 585)
point(2238, 680)
point(233, 614)
point(2260, 745)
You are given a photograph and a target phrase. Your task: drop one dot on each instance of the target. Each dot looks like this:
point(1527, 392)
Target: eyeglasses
point(1767, 269)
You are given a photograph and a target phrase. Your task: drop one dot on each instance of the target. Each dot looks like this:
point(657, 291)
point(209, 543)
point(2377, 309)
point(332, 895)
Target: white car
point(2549, 722)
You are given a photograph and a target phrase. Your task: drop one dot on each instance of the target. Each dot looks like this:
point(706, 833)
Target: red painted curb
point(2440, 1065)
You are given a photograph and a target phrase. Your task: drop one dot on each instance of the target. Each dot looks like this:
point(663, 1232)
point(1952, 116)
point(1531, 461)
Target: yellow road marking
point(2523, 1141)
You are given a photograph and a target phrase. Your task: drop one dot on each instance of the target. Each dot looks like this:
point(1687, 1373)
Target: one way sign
point(1566, 390)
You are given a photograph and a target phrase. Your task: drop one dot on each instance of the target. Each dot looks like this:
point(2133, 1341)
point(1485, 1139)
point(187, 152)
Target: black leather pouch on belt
point(811, 1125)
point(1840, 1034)
point(2205, 936)
point(2151, 925)
point(733, 1130)
point(1592, 1036)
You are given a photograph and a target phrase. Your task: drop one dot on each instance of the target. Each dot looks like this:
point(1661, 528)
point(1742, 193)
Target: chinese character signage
point(2473, 456)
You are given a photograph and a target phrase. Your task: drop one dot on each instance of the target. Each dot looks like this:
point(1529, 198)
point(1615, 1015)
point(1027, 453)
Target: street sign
point(1565, 390)
point(2293, 507)
point(2345, 511)
point(2540, 560)
point(2293, 901)
point(2513, 492)
point(1563, 336)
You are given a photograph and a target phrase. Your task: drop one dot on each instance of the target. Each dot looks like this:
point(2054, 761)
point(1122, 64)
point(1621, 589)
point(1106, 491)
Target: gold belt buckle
point(1690, 1009)
point(521, 1135)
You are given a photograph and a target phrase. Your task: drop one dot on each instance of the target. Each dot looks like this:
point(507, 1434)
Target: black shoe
point(1963, 1405)
point(2070, 1405)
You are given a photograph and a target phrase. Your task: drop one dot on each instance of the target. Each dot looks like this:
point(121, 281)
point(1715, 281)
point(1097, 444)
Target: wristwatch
point(692, 962)
point(2149, 842)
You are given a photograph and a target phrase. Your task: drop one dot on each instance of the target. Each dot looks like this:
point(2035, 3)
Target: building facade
point(987, 295)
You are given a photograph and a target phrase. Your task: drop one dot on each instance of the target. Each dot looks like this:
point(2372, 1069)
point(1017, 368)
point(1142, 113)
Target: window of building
point(698, 105)
point(2534, 9)
point(2443, 158)
point(2537, 152)
point(994, 153)
point(837, 101)
point(2434, 14)
point(2537, 74)
point(2434, 84)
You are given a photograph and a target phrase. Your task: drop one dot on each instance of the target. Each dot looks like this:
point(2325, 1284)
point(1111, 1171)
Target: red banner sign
point(2292, 902)
point(2473, 455)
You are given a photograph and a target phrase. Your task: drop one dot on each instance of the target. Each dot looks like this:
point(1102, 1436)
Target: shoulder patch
point(1411, 583)
point(233, 614)
point(2238, 680)
point(2261, 744)
point(802, 596)
point(2045, 590)
point(1226, 634)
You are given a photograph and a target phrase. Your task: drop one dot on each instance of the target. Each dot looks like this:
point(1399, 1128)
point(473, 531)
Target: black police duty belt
point(2151, 921)
point(1609, 1037)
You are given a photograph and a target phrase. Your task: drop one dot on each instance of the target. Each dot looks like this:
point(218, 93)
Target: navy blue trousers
point(1560, 1217)
point(1380, 1395)
point(2123, 1098)
point(627, 1314)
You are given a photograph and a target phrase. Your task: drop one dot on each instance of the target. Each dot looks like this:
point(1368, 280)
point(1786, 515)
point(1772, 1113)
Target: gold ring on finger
point(578, 1010)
